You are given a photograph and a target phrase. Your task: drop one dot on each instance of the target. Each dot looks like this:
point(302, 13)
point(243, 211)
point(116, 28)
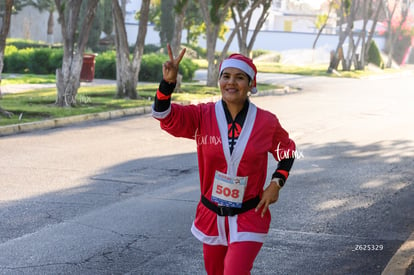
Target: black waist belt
point(230, 211)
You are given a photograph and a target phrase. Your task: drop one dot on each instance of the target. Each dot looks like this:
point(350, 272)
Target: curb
point(71, 120)
point(403, 259)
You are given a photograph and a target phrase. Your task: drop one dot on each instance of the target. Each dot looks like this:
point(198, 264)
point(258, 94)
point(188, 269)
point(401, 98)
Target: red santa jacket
point(260, 135)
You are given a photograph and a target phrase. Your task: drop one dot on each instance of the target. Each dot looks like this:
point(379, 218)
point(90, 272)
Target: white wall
point(266, 40)
point(32, 24)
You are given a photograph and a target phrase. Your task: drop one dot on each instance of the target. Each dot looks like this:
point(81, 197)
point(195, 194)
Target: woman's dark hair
point(248, 77)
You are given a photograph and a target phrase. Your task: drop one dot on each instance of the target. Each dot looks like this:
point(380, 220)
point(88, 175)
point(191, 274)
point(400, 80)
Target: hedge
point(46, 60)
point(374, 55)
point(105, 66)
point(24, 43)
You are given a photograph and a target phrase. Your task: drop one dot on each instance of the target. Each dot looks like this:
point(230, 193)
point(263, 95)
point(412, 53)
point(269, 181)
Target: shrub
point(30, 60)
point(39, 61)
point(25, 43)
point(55, 60)
point(151, 48)
point(199, 52)
point(374, 55)
point(47, 60)
point(17, 62)
point(187, 69)
point(105, 65)
point(151, 68)
point(9, 50)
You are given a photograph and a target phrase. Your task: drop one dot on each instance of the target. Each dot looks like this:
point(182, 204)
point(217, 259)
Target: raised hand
point(170, 68)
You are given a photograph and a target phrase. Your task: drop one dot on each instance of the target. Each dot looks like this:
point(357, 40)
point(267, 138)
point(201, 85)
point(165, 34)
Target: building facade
point(290, 25)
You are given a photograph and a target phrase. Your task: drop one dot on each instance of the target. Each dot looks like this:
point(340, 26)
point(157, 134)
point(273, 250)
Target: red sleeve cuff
point(283, 172)
point(161, 96)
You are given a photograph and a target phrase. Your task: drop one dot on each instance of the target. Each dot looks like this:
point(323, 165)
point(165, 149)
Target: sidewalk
point(402, 263)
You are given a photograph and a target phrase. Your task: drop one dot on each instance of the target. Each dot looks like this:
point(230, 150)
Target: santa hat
point(243, 63)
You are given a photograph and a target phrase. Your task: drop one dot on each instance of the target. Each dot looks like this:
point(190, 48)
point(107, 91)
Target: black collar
point(240, 117)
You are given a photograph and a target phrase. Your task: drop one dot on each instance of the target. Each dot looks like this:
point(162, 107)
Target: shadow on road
point(340, 199)
point(346, 204)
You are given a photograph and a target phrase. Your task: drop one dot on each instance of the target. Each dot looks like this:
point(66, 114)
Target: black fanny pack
point(230, 211)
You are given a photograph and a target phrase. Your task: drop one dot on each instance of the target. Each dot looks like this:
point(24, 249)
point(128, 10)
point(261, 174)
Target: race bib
point(228, 191)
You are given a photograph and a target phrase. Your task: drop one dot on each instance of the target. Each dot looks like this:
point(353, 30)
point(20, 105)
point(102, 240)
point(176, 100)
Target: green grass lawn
point(309, 70)
point(40, 104)
point(27, 78)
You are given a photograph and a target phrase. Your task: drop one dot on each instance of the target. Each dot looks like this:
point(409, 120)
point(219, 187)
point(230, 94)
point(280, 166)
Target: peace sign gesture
point(170, 68)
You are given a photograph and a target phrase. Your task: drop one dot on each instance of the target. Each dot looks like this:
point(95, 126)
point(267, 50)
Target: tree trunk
point(1, 65)
point(242, 24)
point(68, 80)
point(359, 58)
point(371, 33)
point(213, 65)
point(338, 54)
point(4, 31)
point(127, 70)
point(5, 113)
point(50, 39)
point(404, 14)
point(125, 88)
point(259, 24)
point(68, 77)
point(390, 39)
point(243, 31)
point(350, 57)
point(178, 27)
point(323, 26)
point(212, 31)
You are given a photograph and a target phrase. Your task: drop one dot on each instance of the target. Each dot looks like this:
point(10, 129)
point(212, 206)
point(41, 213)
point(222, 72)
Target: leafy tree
point(370, 11)
point(68, 77)
point(193, 23)
point(107, 22)
point(376, 15)
point(186, 16)
point(322, 20)
point(349, 12)
point(179, 10)
point(167, 21)
point(102, 22)
point(127, 67)
point(96, 28)
point(154, 14)
point(215, 13)
point(242, 13)
point(398, 23)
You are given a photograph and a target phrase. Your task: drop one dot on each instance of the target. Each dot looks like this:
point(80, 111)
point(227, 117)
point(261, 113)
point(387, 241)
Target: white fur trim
point(238, 64)
point(161, 115)
point(212, 240)
point(236, 236)
point(234, 159)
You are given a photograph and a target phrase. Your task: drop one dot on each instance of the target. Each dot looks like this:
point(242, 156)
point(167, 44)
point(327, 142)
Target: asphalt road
point(119, 196)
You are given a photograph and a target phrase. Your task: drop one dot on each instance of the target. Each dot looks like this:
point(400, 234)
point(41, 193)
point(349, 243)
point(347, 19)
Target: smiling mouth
point(232, 91)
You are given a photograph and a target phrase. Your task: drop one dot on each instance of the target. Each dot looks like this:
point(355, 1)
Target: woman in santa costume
point(233, 139)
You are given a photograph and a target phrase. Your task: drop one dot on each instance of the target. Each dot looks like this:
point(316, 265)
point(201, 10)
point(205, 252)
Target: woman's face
point(234, 85)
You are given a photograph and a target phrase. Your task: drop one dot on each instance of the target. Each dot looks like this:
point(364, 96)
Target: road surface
point(119, 196)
